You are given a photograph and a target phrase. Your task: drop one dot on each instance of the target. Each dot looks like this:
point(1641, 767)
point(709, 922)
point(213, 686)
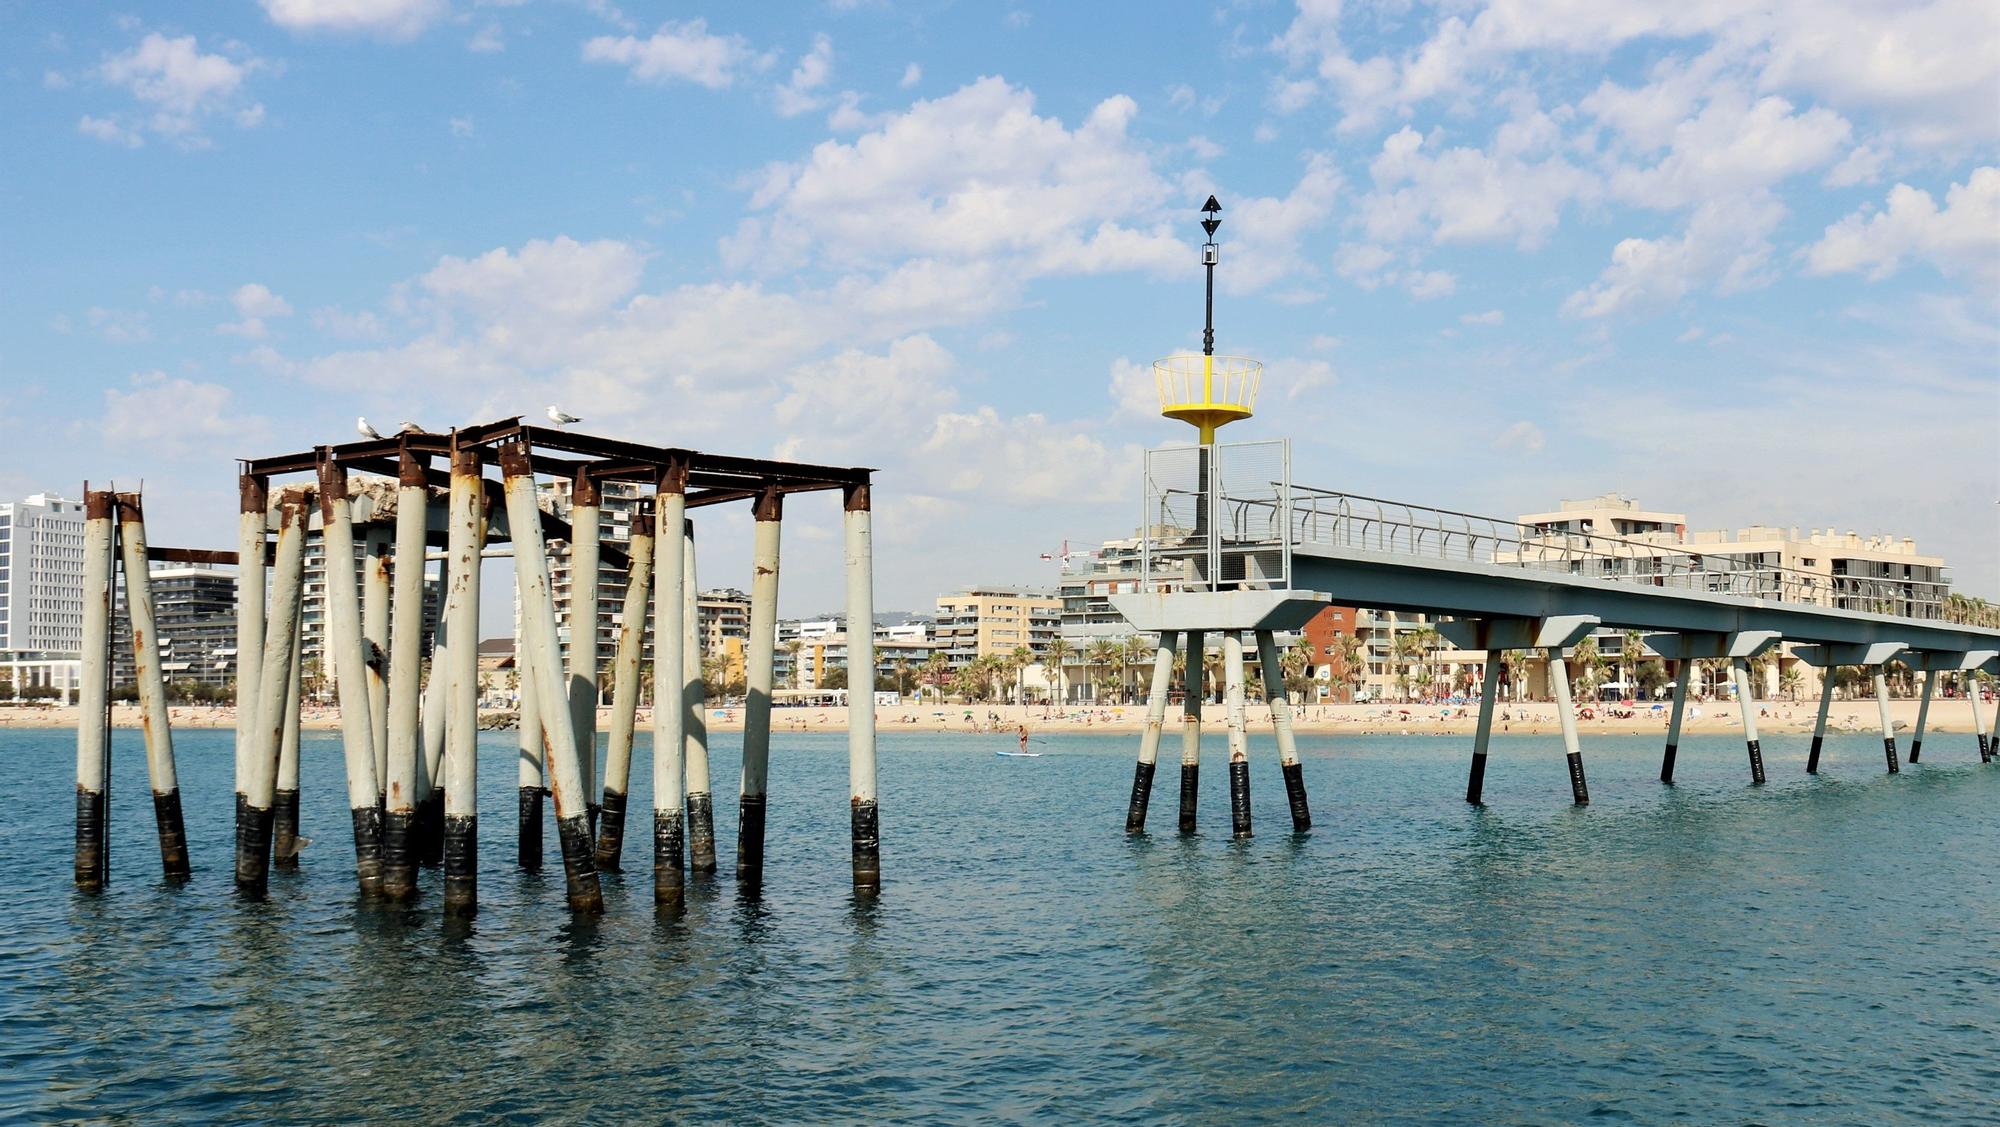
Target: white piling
point(281, 640)
point(1740, 671)
point(1239, 737)
point(700, 799)
point(465, 536)
point(401, 836)
point(345, 645)
point(1674, 721)
point(753, 801)
point(1280, 701)
point(1191, 729)
point(1559, 680)
point(528, 848)
point(625, 694)
point(1924, 715)
point(375, 592)
point(93, 731)
point(285, 840)
point(1149, 738)
point(669, 694)
point(1888, 725)
point(253, 501)
point(1819, 726)
point(584, 556)
point(864, 813)
point(153, 715)
point(1978, 720)
point(1482, 735)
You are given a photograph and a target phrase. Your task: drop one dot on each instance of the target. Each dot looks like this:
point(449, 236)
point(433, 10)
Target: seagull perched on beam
point(561, 418)
point(361, 424)
point(409, 428)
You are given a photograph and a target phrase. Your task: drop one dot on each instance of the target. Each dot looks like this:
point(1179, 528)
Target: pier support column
point(1482, 735)
point(465, 535)
point(407, 783)
point(1978, 719)
point(1888, 725)
point(584, 556)
point(1740, 673)
point(1239, 738)
point(1681, 676)
point(93, 728)
point(1924, 714)
point(376, 586)
point(285, 805)
point(1191, 728)
point(669, 691)
point(1559, 680)
point(1281, 726)
point(533, 751)
point(345, 644)
point(625, 693)
point(864, 824)
point(753, 800)
point(1819, 725)
point(279, 649)
point(538, 620)
point(1994, 735)
point(153, 715)
point(433, 721)
point(253, 500)
point(1149, 738)
point(700, 799)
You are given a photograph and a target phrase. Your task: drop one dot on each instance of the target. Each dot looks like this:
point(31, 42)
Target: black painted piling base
point(1756, 763)
point(586, 896)
point(368, 849)
point(429, 830)
point(528, 851)
point(750, 839)
point(701, 833)
point(1295, 794)
point(1889, 750)
point(1812, 756)
point(90, 867)
point(1916, 749)
point(669, 839)
point(1190, 792)
point(1667, 763)
point(461, 865)
point(1985, 750)
point(1475, 780)
point(285, 830)
point(253, 848)
point(1239, 799)
point(865, 828)
point(173, 835)
point(1142, 795)
point(399, 855)
point(1578, 789)
point(611, 832)
point(596, 811)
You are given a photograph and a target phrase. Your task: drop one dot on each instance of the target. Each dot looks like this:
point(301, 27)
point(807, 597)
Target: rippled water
point(1815, 950)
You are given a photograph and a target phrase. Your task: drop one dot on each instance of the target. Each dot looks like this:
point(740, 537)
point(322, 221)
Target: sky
point(1739, 260)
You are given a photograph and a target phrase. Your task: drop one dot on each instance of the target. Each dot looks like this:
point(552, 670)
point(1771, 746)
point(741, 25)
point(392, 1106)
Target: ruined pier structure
point(409, 745)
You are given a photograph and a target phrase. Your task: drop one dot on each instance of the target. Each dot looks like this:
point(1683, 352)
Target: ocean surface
point(1812, 951)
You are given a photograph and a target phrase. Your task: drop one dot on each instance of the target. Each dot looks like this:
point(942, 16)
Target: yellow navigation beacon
point(1208, 391)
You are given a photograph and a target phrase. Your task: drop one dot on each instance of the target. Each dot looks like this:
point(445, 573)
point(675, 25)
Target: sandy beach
point(1774, 717)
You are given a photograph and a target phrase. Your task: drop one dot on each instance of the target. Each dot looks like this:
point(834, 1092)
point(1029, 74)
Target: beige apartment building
point(990, 621)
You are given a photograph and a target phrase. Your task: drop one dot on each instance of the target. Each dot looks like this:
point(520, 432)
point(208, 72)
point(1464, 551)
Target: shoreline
point(1947, 717)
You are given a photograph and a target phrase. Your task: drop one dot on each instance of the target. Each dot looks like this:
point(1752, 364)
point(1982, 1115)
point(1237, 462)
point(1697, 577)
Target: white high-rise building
point(41, 593)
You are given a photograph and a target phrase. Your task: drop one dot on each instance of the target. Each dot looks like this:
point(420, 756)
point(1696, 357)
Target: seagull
point(361, 424)
point(561, 418)
point(409, 427)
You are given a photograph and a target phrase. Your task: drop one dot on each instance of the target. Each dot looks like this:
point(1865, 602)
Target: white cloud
point(1516, 191)
point(1426, 284)
point(1961, 239)
point(488, 40)
point(1266, 233)
point(119, 326)
point(912, 75)
point(254, 305)
point(1726, 244)
point(1733, 145)
point(1490, 317)
point(677, 51)
point(461, 127)
point(1523, 436)
point(181, 87)
point(175, 418)
point(1862, 165)
point(798, 95)
point(390, 19)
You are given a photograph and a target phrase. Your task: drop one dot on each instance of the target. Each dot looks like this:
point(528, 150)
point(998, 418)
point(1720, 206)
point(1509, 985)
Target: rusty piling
point(281, 640)
point(864, 817)
point(403, 793)
point(93, 728)
point(253, 501)
point(585, 555)
point(346, 646)
point(464, 539)
point(376, 588)
point(669, 711)
point(625, 693)
point(694, 697)
point(285, 841)
point(153, 716)
point(753, 800)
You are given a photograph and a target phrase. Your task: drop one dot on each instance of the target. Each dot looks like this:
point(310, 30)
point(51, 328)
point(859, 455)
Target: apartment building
point(990, 621)
point(194, 618)
point(41, 594)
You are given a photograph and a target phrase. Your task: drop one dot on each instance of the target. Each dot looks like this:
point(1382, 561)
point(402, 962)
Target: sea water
point(1814, 950)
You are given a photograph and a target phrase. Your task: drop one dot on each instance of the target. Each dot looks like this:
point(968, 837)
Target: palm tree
point(1296, 665)
point(1590, 666)
point(1790, 679)
point(1628, 656)
point(1100, 656)
point(1353, 662)
point(936, 672)
point(902, 667)
point(1058, 655)
point(1017, 667)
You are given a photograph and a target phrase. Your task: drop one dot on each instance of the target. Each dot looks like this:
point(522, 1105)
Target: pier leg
point(153, 715)
point(533, 750)
point(1923, 714)
point(433, 723)
point(538, 621)
point(864, 825)
point(1978, 720)
point(93, 730)
point(1482, 736)
point(669, 705)
point(1281, 727)
point(1681, 677)
point(285, 807)
point(465, 536)
point(408, 782)
point(625, 693)
point(1149, 739)
point(1559, 680)
point(1239, 739)
point(757, 693)
point(1819, 726)
point(700, 800)
point(376, 587)
point(1191, 729)
point(350, 674)
point(1888, 726)
point(1740, 669)
point(254, 498)
point(281, 640)
point(584, 556)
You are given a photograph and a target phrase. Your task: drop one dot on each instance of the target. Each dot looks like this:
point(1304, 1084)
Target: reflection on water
point(1819, 948)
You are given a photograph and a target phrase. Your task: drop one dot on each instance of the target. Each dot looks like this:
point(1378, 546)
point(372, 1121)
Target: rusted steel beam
point(190, 555)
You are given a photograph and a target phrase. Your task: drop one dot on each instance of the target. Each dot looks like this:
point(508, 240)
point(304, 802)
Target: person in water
point(1024, 737)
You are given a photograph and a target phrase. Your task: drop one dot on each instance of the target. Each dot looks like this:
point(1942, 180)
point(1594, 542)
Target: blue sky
point(1737, 260)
